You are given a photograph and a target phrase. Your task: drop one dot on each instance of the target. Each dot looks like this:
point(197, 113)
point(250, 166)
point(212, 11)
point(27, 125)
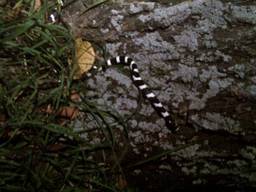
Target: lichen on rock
point(199, 58)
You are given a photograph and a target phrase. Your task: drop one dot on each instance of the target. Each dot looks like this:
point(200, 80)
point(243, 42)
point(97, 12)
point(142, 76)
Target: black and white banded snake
point(138, 82)
point(144, 89)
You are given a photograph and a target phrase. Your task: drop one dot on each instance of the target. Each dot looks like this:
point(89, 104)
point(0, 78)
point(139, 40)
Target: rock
point(199, 58)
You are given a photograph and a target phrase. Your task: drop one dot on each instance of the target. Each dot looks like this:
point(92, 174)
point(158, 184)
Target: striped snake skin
point(144, 89)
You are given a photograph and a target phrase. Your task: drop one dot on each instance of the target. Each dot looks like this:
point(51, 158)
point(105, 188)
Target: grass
point(38, 150)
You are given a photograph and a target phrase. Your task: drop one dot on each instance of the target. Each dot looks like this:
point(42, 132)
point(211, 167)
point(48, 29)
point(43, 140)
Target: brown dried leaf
point(121, 182)
point(37, 4)
point(85, 57)
point(65, 111)
point(68, 112)
point(74, 96)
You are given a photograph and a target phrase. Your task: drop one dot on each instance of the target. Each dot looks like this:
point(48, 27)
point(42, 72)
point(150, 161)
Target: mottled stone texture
point(200, 59)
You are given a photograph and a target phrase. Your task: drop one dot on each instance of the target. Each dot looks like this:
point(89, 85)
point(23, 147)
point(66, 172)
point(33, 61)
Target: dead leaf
point(66, 111)
point(121, 182)
point(74, 96)
point(37, 4)
point(85, 57)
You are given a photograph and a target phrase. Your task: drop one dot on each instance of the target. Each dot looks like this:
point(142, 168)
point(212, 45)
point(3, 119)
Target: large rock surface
point(199, 57)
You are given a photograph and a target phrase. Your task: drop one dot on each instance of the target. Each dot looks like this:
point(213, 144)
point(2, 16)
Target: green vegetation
point(36, 149)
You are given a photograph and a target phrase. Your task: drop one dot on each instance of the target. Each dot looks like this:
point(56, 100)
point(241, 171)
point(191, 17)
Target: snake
point(144, 89)
point(137, 81)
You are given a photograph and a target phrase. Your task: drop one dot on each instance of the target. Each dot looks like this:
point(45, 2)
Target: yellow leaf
point(85, 57)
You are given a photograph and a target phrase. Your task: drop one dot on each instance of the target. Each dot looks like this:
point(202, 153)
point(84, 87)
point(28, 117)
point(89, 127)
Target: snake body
point(137, 80)
point(144, 89)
